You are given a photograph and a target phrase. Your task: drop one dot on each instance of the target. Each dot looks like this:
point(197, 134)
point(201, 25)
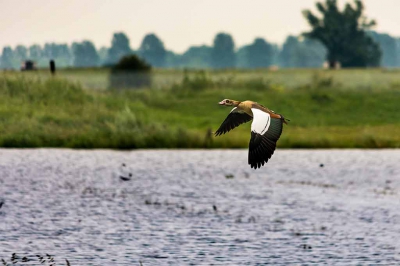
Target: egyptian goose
point(266, 128)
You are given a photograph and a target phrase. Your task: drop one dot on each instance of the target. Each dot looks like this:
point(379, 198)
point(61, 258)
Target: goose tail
point(284, 120)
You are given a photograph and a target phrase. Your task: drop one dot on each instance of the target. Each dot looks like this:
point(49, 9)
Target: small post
point(52, 67)
point(208, 138)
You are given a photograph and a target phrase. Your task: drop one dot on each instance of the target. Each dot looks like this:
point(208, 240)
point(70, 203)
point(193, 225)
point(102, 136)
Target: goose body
point(266, 128)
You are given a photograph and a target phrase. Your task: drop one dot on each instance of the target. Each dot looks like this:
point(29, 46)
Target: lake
point(200, 207)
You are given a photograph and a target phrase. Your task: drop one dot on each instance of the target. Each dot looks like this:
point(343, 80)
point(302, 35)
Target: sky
point(178, 23)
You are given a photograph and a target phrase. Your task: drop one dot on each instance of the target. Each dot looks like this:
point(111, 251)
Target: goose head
point(228, 102)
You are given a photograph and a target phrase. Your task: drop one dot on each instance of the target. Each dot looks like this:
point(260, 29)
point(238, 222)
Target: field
point(77, 109)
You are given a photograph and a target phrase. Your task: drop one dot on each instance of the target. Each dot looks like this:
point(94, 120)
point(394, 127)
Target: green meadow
point(78, 109)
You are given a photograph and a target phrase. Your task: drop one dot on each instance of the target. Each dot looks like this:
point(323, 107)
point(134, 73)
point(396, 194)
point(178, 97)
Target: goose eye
point(227, 101)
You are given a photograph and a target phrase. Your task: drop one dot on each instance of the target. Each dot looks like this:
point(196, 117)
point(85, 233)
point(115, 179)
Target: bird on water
point(266, 128)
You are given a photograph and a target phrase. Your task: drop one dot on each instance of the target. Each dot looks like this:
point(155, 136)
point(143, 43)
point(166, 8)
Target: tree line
point(296, 52)
point(337, 36)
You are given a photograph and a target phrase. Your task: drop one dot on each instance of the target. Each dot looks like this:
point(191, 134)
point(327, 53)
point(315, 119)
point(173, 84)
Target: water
point(179, 207)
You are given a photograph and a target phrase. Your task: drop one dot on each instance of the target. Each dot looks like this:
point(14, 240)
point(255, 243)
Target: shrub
point(132, 63)
point(130, 72)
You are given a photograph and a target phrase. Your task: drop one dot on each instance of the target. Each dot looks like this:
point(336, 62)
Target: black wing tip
point(219, 133)
point(261, 149)
point(258, 164)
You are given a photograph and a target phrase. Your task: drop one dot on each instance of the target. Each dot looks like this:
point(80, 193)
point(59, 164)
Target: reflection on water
point(201, 207)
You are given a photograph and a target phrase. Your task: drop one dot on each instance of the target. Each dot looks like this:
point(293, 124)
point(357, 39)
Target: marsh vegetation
point(342, 109)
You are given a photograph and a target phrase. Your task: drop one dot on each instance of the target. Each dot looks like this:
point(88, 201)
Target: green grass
point(98, 78)
point(335, 109)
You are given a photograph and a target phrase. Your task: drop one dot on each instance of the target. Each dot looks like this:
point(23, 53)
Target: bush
point(132, 63)
point(130, 72)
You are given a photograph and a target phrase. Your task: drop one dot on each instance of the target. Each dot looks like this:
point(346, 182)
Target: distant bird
point(266, 128)
point(124, 178)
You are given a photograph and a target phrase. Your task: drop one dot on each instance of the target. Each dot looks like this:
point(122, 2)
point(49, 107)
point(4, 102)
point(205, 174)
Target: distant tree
point(60, 50)
point(60, 53)
point(103, 53)
point(275, 54)
point(49, 50)
point(153, 51)
point(388, 46)
point(64, 55)
point(241, 57)
point(398, 51)
point(289, 53)
point(7, 59)
point(120, 47)
point(35, 52)
point(197, 57)
point(21, 52)
point(302, 53)
point(259, 54)
point(173, 60)
point(343, 33)
point(223, 54)
point(312, 53)
point(85, 54)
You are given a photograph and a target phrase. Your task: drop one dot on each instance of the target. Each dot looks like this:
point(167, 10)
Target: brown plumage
point(266, 128)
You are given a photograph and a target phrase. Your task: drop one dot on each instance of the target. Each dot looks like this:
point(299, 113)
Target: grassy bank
point(39, 111)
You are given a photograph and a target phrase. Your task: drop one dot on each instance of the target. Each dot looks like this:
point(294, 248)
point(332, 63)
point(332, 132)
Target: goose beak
point(221, 103)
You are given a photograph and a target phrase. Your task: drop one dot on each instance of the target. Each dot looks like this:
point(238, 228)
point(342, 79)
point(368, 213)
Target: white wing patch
point(261, 121)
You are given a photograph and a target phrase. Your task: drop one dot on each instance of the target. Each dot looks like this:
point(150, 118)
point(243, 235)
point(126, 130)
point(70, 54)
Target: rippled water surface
point(338, 207)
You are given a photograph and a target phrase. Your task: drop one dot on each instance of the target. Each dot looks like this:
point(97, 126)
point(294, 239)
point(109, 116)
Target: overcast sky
point(179, 23)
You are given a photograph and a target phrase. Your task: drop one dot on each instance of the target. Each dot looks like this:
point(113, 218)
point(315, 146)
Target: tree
point(302, 52)
point(58, 52)
point(275, 54)
point(103, 54)
point(7, 59)
point(119, 47)
point(398, 51)
point(153, 51)
point(35, 52)
point(197, 57)
point(259, 54)
point(21, 52)
point(312, 53)
point(223, 54)
point(343, 33)
point(85, 54)
point(63, 55)
point(172, 60)
point(388, 46)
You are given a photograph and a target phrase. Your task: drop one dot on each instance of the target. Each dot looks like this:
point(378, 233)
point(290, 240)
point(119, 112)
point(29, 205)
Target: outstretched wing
point(234, 119)
point(265, 132)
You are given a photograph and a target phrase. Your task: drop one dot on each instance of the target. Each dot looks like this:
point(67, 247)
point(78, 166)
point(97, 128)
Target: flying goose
point(266, 128)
